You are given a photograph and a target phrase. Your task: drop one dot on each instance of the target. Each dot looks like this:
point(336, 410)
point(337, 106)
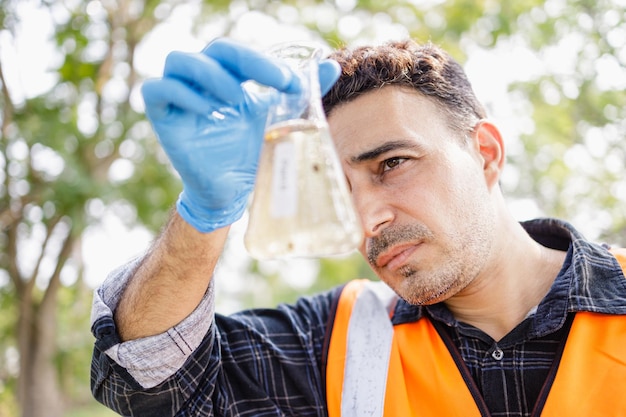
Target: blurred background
point(84, 186)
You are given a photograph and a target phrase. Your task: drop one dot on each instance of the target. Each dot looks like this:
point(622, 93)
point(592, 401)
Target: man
point(488, 316)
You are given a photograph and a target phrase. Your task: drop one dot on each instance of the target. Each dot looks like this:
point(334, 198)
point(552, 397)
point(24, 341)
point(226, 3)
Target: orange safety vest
point(423, 379)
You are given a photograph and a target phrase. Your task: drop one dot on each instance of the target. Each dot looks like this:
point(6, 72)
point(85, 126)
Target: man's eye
point(392, 163)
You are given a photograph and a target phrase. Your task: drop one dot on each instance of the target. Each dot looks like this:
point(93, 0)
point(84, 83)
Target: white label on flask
point(284, 181)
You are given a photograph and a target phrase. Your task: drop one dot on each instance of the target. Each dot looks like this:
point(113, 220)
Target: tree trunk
point(40, 393)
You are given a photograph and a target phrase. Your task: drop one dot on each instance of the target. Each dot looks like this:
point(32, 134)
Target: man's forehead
point(390, 108)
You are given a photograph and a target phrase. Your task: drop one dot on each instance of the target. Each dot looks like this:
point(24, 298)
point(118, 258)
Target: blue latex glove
point(212, 128)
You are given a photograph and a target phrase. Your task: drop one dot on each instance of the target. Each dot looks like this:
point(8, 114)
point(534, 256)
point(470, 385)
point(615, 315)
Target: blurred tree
point(83, 148)
point(573, 158)
point(65, 154)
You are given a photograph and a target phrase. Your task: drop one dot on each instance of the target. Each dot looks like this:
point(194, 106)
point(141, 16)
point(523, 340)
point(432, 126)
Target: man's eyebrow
point(385, 147)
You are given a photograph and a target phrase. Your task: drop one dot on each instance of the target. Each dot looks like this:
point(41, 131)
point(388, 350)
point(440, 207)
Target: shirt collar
point(590, 280)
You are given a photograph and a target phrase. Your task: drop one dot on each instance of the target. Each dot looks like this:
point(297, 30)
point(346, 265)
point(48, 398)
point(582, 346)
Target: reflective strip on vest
point(369, 343)
point(417, 373)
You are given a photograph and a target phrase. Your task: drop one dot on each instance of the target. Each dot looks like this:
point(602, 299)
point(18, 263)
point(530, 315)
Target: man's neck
point(517, 278)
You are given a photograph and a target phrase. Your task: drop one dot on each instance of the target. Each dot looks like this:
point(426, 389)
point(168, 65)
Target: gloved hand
point(212, 128)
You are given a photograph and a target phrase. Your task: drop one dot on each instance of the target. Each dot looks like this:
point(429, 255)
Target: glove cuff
point(206, 220)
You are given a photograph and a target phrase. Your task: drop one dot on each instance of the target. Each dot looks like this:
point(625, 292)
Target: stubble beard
point(421, 287)
point(459, 265)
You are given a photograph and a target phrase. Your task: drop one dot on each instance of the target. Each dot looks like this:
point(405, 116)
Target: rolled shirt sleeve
point(150, 360)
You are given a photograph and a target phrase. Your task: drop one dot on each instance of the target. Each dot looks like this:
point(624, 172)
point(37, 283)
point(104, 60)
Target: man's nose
point(373, 207)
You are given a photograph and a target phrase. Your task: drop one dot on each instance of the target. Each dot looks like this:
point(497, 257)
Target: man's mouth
point(396, 256)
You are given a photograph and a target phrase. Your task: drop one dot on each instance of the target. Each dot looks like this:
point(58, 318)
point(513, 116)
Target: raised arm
point(171, 280)
point(211, 128)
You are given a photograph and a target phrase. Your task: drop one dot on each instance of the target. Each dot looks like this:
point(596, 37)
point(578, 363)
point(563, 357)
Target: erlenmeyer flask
point(301, 205)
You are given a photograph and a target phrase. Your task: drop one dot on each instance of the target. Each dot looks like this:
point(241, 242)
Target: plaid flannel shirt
point(268, 362)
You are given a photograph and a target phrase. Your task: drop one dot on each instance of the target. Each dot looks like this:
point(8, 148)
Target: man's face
point(421, 192)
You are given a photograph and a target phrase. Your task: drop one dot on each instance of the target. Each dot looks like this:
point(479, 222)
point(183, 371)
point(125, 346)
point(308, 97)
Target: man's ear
point(491, 148)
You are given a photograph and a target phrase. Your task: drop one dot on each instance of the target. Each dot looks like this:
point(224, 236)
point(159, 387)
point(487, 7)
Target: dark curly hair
point(426, 68)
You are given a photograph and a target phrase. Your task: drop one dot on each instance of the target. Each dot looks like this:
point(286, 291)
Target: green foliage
point(73, 139)
point(8, 405)
point(59, 154)
point(73, 357)
point(336, 271)
point(567, 107)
